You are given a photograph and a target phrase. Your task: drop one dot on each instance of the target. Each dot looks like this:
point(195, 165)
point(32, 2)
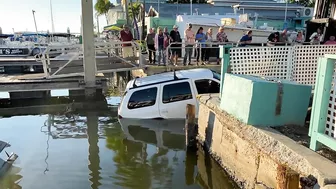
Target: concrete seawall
point(254, 157)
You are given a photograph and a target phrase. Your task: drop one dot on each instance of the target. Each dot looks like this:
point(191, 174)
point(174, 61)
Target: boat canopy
point(6, 35)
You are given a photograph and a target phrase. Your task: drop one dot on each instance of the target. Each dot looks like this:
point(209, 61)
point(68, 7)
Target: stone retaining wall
point(252, 156)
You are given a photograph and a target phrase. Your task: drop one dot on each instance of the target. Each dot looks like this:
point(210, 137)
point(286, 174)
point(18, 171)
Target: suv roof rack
point(175, 77)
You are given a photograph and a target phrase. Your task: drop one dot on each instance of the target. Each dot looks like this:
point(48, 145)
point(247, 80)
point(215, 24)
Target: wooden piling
point(190, 127)
point(287, 178)
point(191, 144)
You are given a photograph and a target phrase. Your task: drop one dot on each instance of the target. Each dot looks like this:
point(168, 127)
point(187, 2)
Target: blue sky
point(17, 14)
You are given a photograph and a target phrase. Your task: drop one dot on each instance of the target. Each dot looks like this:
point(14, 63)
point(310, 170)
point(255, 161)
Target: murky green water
point(69, 144)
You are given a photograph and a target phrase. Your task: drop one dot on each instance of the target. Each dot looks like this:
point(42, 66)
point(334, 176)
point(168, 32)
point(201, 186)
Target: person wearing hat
point(176, 44)
point(126, 36)
point(189, 44)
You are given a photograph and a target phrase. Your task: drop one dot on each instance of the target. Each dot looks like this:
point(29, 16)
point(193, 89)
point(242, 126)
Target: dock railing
point(323, 115)
point(56, 58)
point(215, 46)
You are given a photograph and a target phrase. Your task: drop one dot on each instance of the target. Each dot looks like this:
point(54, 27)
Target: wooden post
point(191, 132)
point(287, 178)
point(190, 127)
point(89, 59)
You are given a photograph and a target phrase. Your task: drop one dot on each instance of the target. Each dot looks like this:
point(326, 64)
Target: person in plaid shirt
point(221, 37)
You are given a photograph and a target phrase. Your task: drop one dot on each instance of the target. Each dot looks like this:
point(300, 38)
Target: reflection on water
point(83, 145)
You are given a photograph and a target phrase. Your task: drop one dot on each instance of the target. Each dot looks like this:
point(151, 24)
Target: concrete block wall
point(253, 155)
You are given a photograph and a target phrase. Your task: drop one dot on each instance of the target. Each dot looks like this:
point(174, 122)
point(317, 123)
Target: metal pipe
point(286, 11)
point(190, 7)
point(35, 23)
point(52, 22)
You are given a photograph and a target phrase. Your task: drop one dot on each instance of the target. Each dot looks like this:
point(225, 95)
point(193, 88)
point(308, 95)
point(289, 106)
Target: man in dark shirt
point(150, 38)
point(246, 39)
point(126, 36)
point(273, 38)
point(175, 37)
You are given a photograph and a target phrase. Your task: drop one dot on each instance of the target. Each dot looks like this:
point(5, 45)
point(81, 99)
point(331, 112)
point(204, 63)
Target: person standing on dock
point(126, 36)
point(150, 45)
point(175, 39)
point(161, 41)
point(317, 37)
point(331, 41)
point(221, 37)
point(246, 39)
point(283, 38)
point(209, 40)
point(273, 38)
point(299, 38)
point(201, 38)
point(189, 44)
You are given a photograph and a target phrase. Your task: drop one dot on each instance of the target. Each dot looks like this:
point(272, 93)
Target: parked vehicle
point(165, 95)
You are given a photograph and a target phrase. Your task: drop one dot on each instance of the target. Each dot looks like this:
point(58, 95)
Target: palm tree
point(102, 7)
point(135, 9)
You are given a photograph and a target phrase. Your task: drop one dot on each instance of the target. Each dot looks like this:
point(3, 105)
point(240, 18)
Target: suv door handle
point(164, 111)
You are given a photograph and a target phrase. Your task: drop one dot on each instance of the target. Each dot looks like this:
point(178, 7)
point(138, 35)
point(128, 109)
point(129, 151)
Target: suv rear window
point(176, 92)
point(205, 86)
point(142, 98)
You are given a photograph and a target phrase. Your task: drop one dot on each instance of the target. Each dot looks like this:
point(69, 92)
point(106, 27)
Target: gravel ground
point(300, 135)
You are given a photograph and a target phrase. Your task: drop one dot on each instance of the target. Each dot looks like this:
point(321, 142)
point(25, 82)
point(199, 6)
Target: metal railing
point(67, 55)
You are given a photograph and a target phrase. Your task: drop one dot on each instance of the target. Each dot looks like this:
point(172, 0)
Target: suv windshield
point(216, 75)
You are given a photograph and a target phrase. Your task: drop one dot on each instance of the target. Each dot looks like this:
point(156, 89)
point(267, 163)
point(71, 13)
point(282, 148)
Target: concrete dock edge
point(251, 155)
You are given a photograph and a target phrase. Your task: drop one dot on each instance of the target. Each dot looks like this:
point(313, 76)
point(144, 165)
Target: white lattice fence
point(331, 113)
point(305, 61)
point(262, 61)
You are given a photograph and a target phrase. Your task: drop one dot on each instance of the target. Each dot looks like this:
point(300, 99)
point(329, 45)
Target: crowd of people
point(166, 46)
point(163, 45)
point(315, 39)
point(159, 41)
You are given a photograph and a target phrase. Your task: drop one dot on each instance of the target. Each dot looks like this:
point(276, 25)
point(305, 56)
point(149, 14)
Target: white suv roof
point(198, 73)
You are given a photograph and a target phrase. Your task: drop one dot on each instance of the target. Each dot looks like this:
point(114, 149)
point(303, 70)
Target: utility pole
point(125, 6)
point(35, 23)
point(285, 21)
point(98, 25)
point(190, 7)
point(89, 58)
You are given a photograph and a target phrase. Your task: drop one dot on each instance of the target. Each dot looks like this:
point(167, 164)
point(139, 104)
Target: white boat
point(235, 26)
point(29, 45)
point(166, 95)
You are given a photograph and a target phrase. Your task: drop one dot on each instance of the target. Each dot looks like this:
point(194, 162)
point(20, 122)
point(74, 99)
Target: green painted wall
point(253, 100)
point(156, 22)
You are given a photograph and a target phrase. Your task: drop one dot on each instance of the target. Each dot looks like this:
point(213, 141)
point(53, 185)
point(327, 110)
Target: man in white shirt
point(317, 37)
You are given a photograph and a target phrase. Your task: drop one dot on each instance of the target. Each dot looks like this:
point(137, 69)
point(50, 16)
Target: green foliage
point(102, 7)
point(306, 3)
point(134, 8)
